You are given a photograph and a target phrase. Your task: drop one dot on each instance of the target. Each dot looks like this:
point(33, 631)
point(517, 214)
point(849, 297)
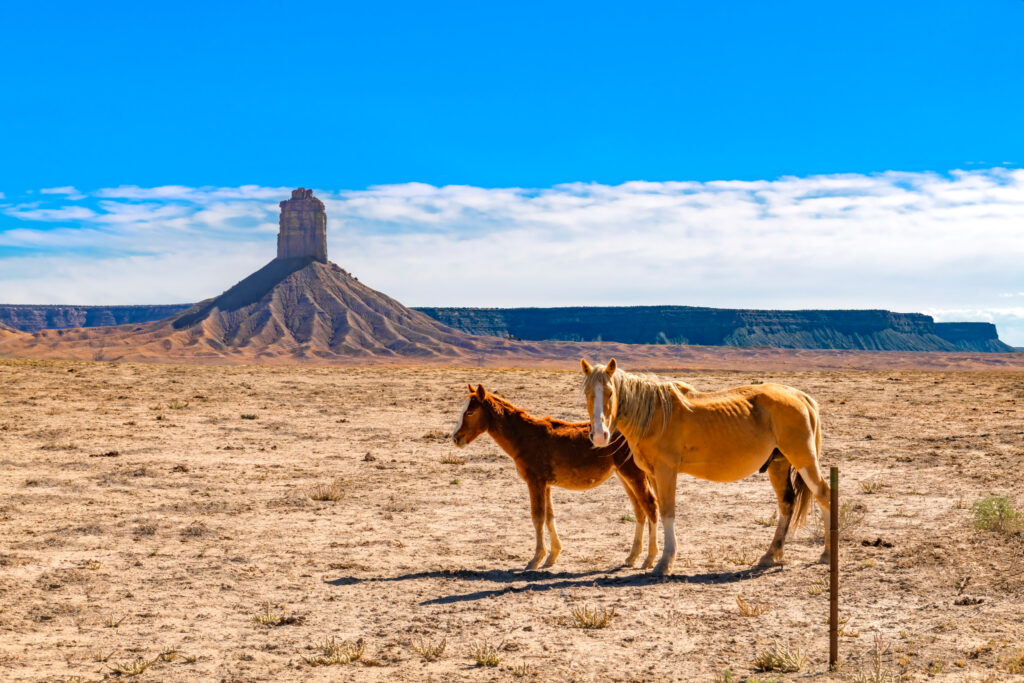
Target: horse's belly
point(715, 467)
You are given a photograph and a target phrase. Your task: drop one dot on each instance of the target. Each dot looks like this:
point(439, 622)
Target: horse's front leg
point(665, 485)
point(549, 519)
point(537, 512)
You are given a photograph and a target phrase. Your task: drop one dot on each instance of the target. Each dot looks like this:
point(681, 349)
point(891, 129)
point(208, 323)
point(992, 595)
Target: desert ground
point(165, 517)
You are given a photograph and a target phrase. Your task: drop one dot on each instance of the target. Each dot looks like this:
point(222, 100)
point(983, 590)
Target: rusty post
point(833, 566)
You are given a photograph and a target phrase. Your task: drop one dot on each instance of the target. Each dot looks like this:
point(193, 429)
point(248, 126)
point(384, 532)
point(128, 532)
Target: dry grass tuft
point(430, 652)
point(271, 616)
point(452, 459)
point(327, 492)
point(136, 667)
point(587, 617)
point(195, 530)
point(871, 486)
point(1015, 663)
point(485, 654)
point(780, 658)
point(748, 609)
point(817, 587)
point(249, 416)
point(851, 516)
point(522, 670)
point(878, 672)
point(334, 652)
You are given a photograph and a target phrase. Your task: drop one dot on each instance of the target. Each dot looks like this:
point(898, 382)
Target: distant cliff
point(868, 330)
point(34, 318)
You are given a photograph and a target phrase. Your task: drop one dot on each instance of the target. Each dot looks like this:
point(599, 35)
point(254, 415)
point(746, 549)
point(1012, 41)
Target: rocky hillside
point(861, 330)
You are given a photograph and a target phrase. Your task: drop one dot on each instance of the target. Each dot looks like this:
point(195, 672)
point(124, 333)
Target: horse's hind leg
point(778, 473)
point(537, 505)
point(549, 518)
point(802, 454)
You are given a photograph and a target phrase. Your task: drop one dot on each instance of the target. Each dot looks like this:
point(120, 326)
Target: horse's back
point(728, 434)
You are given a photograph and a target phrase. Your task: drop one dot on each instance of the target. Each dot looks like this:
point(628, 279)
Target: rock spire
point(303, 232)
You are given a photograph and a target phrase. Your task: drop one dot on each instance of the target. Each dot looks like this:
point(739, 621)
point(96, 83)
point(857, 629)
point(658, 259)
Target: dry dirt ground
point(162, 509)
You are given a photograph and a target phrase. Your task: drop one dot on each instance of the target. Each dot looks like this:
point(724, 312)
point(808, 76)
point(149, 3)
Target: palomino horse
point(549, 452)
point(720, 436)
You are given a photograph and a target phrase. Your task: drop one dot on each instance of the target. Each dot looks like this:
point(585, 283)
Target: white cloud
point(72, 193)
point(903, 241)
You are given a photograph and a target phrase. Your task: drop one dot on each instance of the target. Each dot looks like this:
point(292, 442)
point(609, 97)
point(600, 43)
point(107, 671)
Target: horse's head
point(602, 402)
point(473, 421)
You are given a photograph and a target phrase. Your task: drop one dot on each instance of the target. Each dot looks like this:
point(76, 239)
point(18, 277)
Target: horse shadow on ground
point(538, 581)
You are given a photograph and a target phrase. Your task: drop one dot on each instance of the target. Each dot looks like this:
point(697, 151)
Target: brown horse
point(549, 452)
point(720, 436)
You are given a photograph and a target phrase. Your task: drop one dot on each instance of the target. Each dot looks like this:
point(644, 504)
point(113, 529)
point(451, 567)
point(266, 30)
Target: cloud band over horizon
point(949, 245)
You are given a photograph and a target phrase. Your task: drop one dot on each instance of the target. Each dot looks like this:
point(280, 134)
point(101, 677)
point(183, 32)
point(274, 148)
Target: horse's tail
point(802, 498)
point(797, 487)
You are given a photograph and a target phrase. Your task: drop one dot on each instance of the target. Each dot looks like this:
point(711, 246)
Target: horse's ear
point(480, 393)
point(610, 368)
point(471, 389)
point(585, 366)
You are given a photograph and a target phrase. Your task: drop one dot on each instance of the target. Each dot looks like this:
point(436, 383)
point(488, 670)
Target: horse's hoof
point(549, 563)
point(533, 565)
point(648, 563)
point(662, 570)
point(630, 561)
point(769, 561)
point(824, 558)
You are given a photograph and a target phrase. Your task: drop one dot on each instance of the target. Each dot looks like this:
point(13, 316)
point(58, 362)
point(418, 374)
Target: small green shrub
point(996, 514)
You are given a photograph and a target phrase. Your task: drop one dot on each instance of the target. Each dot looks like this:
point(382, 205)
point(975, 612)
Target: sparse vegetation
point(871, 486)
point(521, 670)
point(767, 521)
point(134, 667)
point(328, 492)
point(1015, 663)
point(412, 584)
point(751, 609)
point(428, 650)
point(996, 514)
point(452, 459)
point(879, 673)
point(591, 617)
point(249, 416)
point(780, 658)
point(195, 530)
point(332, 652)
point(851, 516)
point(271, 616)
point(484, 653)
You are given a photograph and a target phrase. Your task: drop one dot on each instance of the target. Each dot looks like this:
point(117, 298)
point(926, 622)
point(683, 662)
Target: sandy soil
point(149, 509)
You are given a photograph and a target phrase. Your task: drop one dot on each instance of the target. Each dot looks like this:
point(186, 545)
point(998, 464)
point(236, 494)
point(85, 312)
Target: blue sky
point(498, 104)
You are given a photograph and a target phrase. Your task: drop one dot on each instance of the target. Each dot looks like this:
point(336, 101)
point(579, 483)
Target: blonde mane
point(640, 397)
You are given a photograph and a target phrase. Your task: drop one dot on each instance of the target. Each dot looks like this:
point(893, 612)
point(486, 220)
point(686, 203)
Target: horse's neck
point(506, 428)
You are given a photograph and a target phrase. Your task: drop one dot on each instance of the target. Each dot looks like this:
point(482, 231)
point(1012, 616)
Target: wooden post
point(833, 566)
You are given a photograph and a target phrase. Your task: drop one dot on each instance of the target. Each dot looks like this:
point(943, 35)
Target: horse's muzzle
point(600, 437)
